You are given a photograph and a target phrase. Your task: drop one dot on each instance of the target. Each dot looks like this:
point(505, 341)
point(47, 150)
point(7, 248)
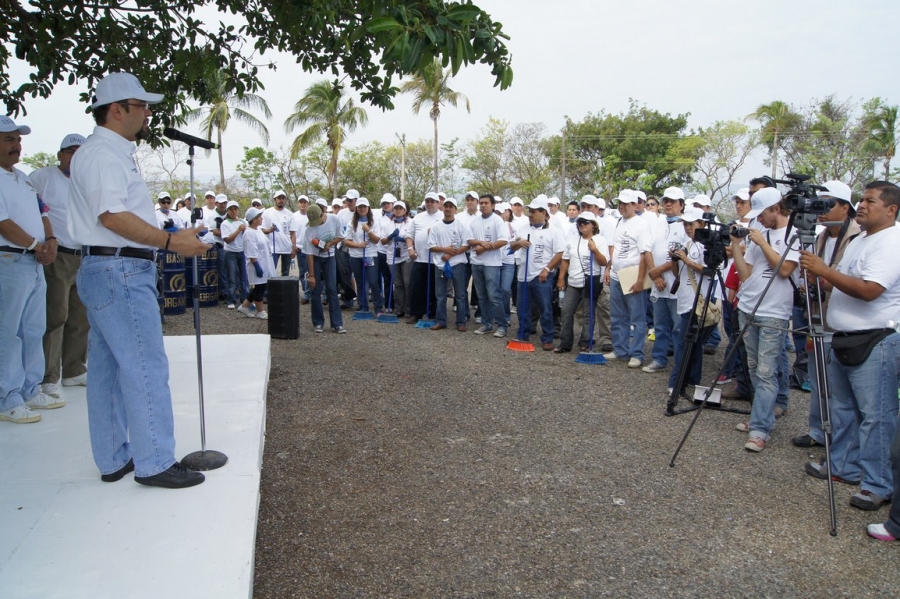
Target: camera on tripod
point(802, 196)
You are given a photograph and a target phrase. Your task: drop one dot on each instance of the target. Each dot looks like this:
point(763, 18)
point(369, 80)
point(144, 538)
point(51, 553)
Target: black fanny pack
point(852, 349)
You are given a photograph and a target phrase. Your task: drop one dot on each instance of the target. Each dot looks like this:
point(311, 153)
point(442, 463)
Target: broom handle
point(393, 268)
point(524, 295)
point(591, 299)
point(428, 287)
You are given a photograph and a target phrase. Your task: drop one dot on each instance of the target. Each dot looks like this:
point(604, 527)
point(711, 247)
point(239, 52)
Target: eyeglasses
point(652, 204)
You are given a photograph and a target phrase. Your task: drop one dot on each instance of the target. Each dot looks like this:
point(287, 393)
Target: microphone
point(176, 135)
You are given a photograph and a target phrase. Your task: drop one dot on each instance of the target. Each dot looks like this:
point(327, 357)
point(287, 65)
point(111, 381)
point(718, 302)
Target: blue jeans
point(325, 272)
point(507, 276)
point(365, 283)
point(234, 287)
point(694, 373)
point(625, 311)
point(487, 286)
point(302, 270)
point(665, 319)
point(538, 298)
point(864, 416)
point(728, 315)
point(221, 269)
point(129, 403)
point(815, 414)
point(460, 296)
point(764, 341)
point(23, 318)
point(893, 522)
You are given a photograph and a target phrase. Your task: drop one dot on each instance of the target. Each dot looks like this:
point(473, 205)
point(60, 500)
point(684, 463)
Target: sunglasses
point(165, 201)
point(652, 204)
point(581, 222)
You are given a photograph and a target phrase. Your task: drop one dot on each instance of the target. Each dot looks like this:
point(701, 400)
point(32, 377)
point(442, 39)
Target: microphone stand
point(205, 459)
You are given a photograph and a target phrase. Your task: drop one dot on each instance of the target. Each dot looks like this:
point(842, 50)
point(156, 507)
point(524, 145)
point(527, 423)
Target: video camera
point(715, 236)
point(802, 196)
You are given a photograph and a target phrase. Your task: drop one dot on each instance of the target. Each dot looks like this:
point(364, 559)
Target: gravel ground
point(401, 462)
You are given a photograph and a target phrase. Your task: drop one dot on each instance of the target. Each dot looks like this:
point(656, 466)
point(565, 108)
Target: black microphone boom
point(176, 135)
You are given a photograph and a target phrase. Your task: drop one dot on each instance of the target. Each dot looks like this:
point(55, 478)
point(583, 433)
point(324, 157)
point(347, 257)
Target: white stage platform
point(64, 533)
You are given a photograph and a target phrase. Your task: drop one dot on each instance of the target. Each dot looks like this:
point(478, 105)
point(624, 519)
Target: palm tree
point(429, 88)
point(776, 119)
point(881, 126)
point(223, 105)
point(323, 109)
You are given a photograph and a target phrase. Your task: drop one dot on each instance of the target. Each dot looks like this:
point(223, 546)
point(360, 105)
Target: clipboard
point(628, 277)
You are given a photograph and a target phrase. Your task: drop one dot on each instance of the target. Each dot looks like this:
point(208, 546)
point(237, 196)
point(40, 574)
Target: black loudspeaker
point(284, 307)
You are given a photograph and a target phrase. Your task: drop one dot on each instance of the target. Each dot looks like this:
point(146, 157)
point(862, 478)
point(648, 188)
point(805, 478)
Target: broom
point(364, 314)
point(388, 316)
point(522, 344)
point(589, 357)
point(424, 323)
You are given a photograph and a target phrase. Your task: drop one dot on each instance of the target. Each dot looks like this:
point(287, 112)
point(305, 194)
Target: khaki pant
point(65, 340)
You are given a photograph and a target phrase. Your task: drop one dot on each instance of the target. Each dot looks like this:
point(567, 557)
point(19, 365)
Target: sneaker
point(723, 379)
point(246, 312)
point(733, 393)
point(820, 470)
point(805, 441)
point(76, 381)
point(339, 330)
point(304, 301)
point(231, 306)
point(744, 427)
point(318, 328)
point(177, 476)
point(779, 411)
point(477, 320)
point(709, 350)
point(500, 332)
point(634, 363)
point(612, 356)
point(263, 315)
point(51, 389)
point(878, 531)
point(755, 444)
point(654, 366)
point(44, 402)
point(483, 329)
point(20, 415)
point(869, 501)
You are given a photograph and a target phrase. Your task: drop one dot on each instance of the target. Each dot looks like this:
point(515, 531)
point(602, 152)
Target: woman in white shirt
point(362, 239)
point(260, 266)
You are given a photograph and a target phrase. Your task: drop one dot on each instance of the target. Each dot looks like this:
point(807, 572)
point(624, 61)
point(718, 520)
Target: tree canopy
point(169, 48)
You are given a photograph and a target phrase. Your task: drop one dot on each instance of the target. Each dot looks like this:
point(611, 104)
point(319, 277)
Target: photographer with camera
point(765, 336)
point(841, 229)
point(865, 352)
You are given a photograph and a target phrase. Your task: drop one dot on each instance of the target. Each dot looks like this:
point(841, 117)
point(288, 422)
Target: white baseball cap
point(742, 194)
point(7, 125)
point(627, 196)
point(209, 193)
point(432, 196)
point(72, 140)
point(674, 193)
point(252, 213)
point(702, 199)
point(539, 202)
point(472, 194)
point(590, 200)
point(163, 194)
point(588, 215)
point(337, 202)
point(400, 203)
point(256, 201)
point(231, 204)
point(601, 203)
point(502, 207)
point(516, 200)
point(116, 87)
point(553, 200)
point(762, 199)
point(362, 202)
point(352, 194)
point(840, 191)
point(221, 198)
point(388, 198)
point(640, 195)
point(322, 202)
point(279, 193)
point(303, 198)
point(691, 214)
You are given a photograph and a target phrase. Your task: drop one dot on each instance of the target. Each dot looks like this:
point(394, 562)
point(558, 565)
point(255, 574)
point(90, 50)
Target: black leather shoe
point(176, 477)
point(118, 474)
point(805, 441)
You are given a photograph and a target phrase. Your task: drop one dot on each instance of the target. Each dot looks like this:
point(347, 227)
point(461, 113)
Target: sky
point(715, 60)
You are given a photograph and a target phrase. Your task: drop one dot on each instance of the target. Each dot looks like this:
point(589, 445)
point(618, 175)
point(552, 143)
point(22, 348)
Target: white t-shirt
point(685, 294)
point(779, 299)
point(209, 221)
point(384, 225)
point(282, 237)
point(105, 178)
point(509, 256)
point(559, 220)
point(395, 249)
point(871, 258)
point(357, 235)
point(418, 232)
point(443, 234)
point(256, 247)
point(298, 226)
point(631, 239)
point(582, 260)
point(19, 203)
point(545, 243)
point(489, 229)
point(228, 227)
point(666, 236)
point(53, 187)
point(162, 217)
point(330, 229)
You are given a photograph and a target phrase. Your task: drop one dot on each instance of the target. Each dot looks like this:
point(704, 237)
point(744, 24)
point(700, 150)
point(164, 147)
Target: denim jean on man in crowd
point(128, 398)
point(460, 297)
point(625, 311)
point(325, 273)
point(370, 285)
point(23, 318)
point(766, 360)
point(486, 280)
point(665, 320)
point(234, 290)
point(815, 413)
point(864, 416)
point(538, 299)
point(507, 276)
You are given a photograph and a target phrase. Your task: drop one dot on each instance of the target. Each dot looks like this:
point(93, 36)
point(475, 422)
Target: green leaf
point(382, 24)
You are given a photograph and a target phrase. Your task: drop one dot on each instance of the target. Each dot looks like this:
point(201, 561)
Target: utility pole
point(402, 139)
point(562, 183)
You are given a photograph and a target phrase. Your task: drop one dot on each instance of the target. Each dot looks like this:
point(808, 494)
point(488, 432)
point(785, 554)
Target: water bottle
point(562, 294)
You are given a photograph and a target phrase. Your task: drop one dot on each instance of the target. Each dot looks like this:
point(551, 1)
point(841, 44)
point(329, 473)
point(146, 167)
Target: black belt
point(99, 250)
point(66, 250)
point(9, 248)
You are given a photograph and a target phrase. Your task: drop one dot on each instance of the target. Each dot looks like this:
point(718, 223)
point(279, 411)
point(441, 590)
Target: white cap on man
point(839, 191)
point(762, 199)
point(7, 125)
point(117, 87)
point(72, 140)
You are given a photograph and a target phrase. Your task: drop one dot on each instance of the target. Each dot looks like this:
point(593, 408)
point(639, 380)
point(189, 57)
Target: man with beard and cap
point(26, 244)
point(65, 341)
point(129, 403)
point(276, 227)
point(420, 300)
point(297, 227)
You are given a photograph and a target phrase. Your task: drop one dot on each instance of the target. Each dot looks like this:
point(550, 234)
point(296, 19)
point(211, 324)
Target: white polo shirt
point(53, 187)
point(282, 237)
point(105, 178)
point(489, 229)
point(19, 203)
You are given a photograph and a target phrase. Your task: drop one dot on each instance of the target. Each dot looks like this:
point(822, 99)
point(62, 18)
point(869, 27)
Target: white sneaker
point(75, 381)
point(246, 312)
point(44, 402)
point(20, 415)
point(231, 306)
point(263, 315)
point(611, 356)
point(634, 363)
point(51, 389)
